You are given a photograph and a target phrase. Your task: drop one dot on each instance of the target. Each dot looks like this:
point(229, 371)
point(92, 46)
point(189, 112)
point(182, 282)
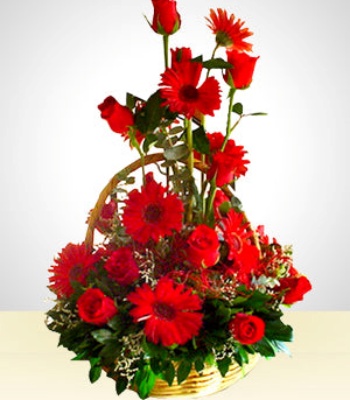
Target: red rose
point(121, 266)
point(95, 307)
point(105, 221)
point(166, 19)
point(203, 247)
point(296, 286)
point(241, 74)
point(247, 329)
point(119, 117)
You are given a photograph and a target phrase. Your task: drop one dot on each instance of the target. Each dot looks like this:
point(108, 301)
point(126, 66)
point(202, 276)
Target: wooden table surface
point(33, 367)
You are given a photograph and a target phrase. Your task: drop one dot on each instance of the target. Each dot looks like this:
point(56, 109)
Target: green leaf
point(176, 130)
point(149, 117)
point(210, 359)
point(130, 100)
point(236, 203)
point(155, 365)
point(224, 365)
point(145, 380)
point(102, 335)
point(197, 59)
point(116, 323)
point(199, 365)
point(176, 153)
point(216, 63)
point(121, 384)
point(169, 373)
point(265, 348)
point(183, 370)
point(81, 356)
point(277, 330)
point(238, 108)
point(201, 141)
point(257, 114)
point(280, 346)
point(95, 373)
point(242, 356)
point(147, 143)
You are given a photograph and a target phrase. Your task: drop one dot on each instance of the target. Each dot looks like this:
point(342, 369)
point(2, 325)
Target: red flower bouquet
point(181, 281)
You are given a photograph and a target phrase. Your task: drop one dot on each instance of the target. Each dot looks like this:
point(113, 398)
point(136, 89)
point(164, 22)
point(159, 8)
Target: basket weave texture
point(208, 382)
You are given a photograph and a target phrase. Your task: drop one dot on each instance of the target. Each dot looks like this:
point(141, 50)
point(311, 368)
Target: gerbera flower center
point(236, 242)
point(75, 272)
point(223, 39)
point(152, 213)
point(164, 311)
point(188, 93)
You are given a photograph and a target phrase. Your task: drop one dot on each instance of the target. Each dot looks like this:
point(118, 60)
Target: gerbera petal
point(229, 31)
point(152, 214)
point(173, 318)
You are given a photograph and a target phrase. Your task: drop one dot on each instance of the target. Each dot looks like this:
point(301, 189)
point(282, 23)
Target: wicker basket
point(208, 382)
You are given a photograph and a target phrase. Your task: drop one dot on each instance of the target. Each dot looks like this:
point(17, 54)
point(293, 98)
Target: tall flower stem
point(190, 165)
point(166, 50)
point(212, 57)
point(231, 96)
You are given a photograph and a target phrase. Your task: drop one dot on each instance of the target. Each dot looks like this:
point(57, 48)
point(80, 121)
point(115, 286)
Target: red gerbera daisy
point(229, 31)
point(170, 312)
point(181, 91)
point(226, 165)
point(235, 233)
point(72, 264)
point(152, 213)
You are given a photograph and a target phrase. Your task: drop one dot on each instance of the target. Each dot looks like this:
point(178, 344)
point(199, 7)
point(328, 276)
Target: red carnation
point(122, 267)
point(240, 76)
point(73, 264)
point(166, 19)
point(247, 329)
point(152, 213)
point(203, 247)
point(170, 312)
point(95, 307)
point(181, 91)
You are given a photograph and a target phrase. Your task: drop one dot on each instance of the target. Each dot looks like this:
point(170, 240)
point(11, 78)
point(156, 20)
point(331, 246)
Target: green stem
point(231, 95)
point(166, 50)
point(210, 201)
point(136, 144)
point(212, 57)
point(190, 165)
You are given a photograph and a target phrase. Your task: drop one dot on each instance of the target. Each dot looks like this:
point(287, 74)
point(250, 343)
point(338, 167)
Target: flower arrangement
point(181, 279)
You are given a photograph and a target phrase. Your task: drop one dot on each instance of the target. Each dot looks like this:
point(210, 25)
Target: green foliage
point(238, 108)
point(216, 63)
point(121, 384)
point(200, 140)
point(183, 370)
point(95, 369)
point(145, 379)
point(224, 365)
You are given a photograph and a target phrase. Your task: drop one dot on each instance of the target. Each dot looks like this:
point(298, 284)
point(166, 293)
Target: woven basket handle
point(118, 177)
point(107, 190)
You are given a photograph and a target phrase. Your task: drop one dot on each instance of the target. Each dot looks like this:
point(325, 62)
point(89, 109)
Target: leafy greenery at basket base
point(103, 346)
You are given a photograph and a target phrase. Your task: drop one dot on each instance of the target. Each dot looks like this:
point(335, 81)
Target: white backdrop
point(59, 59)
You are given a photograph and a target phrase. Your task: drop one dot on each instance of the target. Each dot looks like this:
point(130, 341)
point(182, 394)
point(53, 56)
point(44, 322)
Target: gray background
point(59, 59)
